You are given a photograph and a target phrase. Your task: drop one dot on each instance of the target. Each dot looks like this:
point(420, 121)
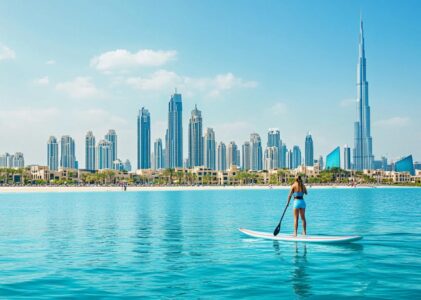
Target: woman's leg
point(296, 214)
point(303, 219)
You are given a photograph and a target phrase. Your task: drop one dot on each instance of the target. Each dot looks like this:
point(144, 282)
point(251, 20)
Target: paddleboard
point(328, 239)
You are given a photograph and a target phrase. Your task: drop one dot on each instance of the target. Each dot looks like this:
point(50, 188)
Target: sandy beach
point(66, 189)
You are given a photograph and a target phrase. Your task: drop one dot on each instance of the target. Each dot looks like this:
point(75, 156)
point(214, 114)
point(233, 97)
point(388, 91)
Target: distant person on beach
point(298, 190)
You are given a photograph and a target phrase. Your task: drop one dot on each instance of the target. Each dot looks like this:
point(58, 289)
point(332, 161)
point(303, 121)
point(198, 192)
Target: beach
point(66, 189)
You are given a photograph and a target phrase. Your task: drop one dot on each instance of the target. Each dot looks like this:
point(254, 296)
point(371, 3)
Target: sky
point(70, 67)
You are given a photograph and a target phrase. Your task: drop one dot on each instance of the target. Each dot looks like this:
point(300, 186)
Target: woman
point(298, 190)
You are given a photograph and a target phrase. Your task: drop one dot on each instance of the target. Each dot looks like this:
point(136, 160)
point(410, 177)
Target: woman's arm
point(290, 194)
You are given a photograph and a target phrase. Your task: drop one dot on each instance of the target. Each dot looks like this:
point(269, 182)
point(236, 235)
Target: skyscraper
point(104, 155)
point(209, 155)
point(246, 155)
point(111, 136)
point(405, 164)
point(363, 152)
point(321, 163)
point(309, 151)
point(283, 156)
point(143, 139)
point(127, 166)
point(196, 138)
point(296, 157)
point(271, 158)
point(232, 155)
point(68, 155)
point(52, 153)
point(256, 152)
point(174, 135)
point(289, 159)
point(18, 160)
point(222, 156)
point(90, 151)
point(274, 140)
point(158, 155)
point(347, 158)
point(333, 159)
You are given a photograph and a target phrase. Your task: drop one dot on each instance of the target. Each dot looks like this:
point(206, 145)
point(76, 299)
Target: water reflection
point(300, 277)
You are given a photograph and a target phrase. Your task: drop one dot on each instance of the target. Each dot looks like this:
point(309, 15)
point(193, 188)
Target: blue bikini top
point(298, 195)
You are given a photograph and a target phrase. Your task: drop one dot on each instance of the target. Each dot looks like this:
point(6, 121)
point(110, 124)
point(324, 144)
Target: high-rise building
point(144, 139)
point(290, 160)
point(127, 166)
point(196, 138)
point(271, 158)
point(111, 136)
point(16, 160)
point(321, 163)
point(19, 160)
point(274, 140)
point(209, 157)
point(347, 157)
point(385, 165)
point(222, 156)
point(104, 155)
point(174, 135)
point(283, 156)
point(363, 150)
point(90, 151)
point(118, 165)
point(232, 155)
point(158, 155)
point(246, 155)
point(296, 157)
point(333, 159)
point(405, 164)
point(68, 154)
point(256, 152)
point(309, 151)
point(52, 154)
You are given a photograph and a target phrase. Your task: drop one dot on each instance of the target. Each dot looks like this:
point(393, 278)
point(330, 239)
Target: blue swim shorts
point(299, 203)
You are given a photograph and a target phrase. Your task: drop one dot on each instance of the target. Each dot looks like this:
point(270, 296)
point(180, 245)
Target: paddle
point(278, 228)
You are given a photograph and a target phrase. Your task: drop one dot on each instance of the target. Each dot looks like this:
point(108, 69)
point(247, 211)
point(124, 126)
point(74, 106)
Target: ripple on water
point(186, 245)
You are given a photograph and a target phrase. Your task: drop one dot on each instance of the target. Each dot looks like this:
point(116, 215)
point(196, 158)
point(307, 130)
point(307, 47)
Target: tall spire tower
point(363, 152)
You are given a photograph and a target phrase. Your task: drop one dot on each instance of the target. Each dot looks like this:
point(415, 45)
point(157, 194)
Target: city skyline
point(92, 96)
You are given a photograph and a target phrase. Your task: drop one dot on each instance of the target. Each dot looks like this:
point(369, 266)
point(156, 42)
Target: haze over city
point(286, 65)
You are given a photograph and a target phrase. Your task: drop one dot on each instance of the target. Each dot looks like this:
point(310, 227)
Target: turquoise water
point(185, 245)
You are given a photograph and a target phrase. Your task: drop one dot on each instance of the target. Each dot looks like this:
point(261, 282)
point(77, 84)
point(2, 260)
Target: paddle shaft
point(283, 213)
point(278, 228)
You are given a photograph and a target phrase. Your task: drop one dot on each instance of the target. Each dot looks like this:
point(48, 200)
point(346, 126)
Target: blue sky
point(248, 65)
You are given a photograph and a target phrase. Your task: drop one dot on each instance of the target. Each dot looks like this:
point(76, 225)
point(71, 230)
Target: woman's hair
point(300, 182)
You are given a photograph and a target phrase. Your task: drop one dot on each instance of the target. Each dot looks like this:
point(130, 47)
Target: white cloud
point(100, 116)
point(80, 87)
point(6, 53)
point(231, 131)
point(279, 108)
point(21, 117)
point(27, 129)
point(50, 62)
point(393, 122)
point(167, 80)
point(42, 81)
point(348, 102)
point(121, 58)
point(159, 80)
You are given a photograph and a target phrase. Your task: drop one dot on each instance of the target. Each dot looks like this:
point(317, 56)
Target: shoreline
point(93, 189)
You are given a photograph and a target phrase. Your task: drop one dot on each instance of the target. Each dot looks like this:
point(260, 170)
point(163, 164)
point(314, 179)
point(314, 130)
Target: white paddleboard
point(303, 238)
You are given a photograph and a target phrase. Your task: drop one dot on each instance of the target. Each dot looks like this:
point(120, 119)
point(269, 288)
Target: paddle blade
point(277, 229)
